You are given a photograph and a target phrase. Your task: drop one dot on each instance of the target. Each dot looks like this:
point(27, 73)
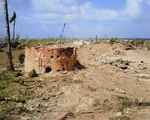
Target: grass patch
point(127, 103)
point(16, 54)
point(9, 108)
point(39, 42)
point(113, 40)
point(130, 103)
point(13, 93)
point(138, 43)
point(122, 117)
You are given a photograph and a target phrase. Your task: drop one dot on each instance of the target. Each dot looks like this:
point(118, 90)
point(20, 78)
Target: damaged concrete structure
point(49, 58)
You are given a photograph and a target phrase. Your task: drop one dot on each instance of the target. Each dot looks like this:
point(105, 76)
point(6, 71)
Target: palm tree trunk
point(10, 66)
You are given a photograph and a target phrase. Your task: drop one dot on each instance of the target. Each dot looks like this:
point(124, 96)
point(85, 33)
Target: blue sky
point(83, 18)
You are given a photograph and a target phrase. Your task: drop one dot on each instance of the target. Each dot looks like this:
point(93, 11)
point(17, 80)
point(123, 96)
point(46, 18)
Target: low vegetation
point(114, 40)
point(13, 94)
point(129, 103)
point(39, 42)
point(122, 117)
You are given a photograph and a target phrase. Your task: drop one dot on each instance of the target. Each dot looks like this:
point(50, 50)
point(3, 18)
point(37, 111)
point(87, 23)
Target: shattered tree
point(9, 55)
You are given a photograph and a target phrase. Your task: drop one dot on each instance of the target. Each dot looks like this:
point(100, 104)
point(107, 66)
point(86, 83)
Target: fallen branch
point(63, 116)
point(89, 112)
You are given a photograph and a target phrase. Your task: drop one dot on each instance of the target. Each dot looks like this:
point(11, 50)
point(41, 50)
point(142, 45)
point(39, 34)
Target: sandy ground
point(94, 91)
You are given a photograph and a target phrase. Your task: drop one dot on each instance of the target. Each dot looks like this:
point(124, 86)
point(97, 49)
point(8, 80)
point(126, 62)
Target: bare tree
point(13, 18)
point(10, 65)
point(96, 38)
point(18, 36)
point(62, 32)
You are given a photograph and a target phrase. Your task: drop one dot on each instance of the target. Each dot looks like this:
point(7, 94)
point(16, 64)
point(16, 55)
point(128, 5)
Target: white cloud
point(55, 11)
point(101, 15)
point(86, 5)
point(82, 7)
point(132, 9)
point(47, 16)
point(48, 5)
point(88, 12)
point(148, 2)
point(35, 18)
point(70, 17)
point(51, 12)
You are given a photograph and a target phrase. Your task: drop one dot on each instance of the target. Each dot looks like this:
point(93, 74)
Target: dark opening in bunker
point(48, 70)
point(69, 52)
point(58, 56)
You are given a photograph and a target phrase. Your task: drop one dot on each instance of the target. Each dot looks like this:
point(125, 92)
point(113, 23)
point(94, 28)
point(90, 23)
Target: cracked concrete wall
point(47, 59)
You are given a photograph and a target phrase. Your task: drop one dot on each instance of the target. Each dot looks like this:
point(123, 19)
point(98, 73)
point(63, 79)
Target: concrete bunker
point(49, 59)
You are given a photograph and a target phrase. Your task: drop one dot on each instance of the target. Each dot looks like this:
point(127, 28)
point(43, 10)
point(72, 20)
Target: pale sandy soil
point(96, 91)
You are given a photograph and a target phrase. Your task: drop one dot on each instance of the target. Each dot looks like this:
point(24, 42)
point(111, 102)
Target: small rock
point(25, 118)
point(126, 70)
point(146, 49)
point(53, 95)
point(127, 111)
point(145, 76)
point(19, 105)
point(117, 114)
point(60, 93)
point(45, 98)
point(31, 108)
point(120, 91)
point(64, 72)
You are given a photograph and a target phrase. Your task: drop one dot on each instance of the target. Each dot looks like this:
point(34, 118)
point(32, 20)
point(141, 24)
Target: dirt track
point(108, 76)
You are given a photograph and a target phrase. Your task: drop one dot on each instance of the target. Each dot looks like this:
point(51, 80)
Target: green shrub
point(122, 117)
point(137, 42)
point(13, 93)
point(39, 42)
point(9, 75)
point(113, 40)
point(8, 108)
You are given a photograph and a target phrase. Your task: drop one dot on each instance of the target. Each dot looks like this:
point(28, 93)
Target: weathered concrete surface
point(50, 58)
